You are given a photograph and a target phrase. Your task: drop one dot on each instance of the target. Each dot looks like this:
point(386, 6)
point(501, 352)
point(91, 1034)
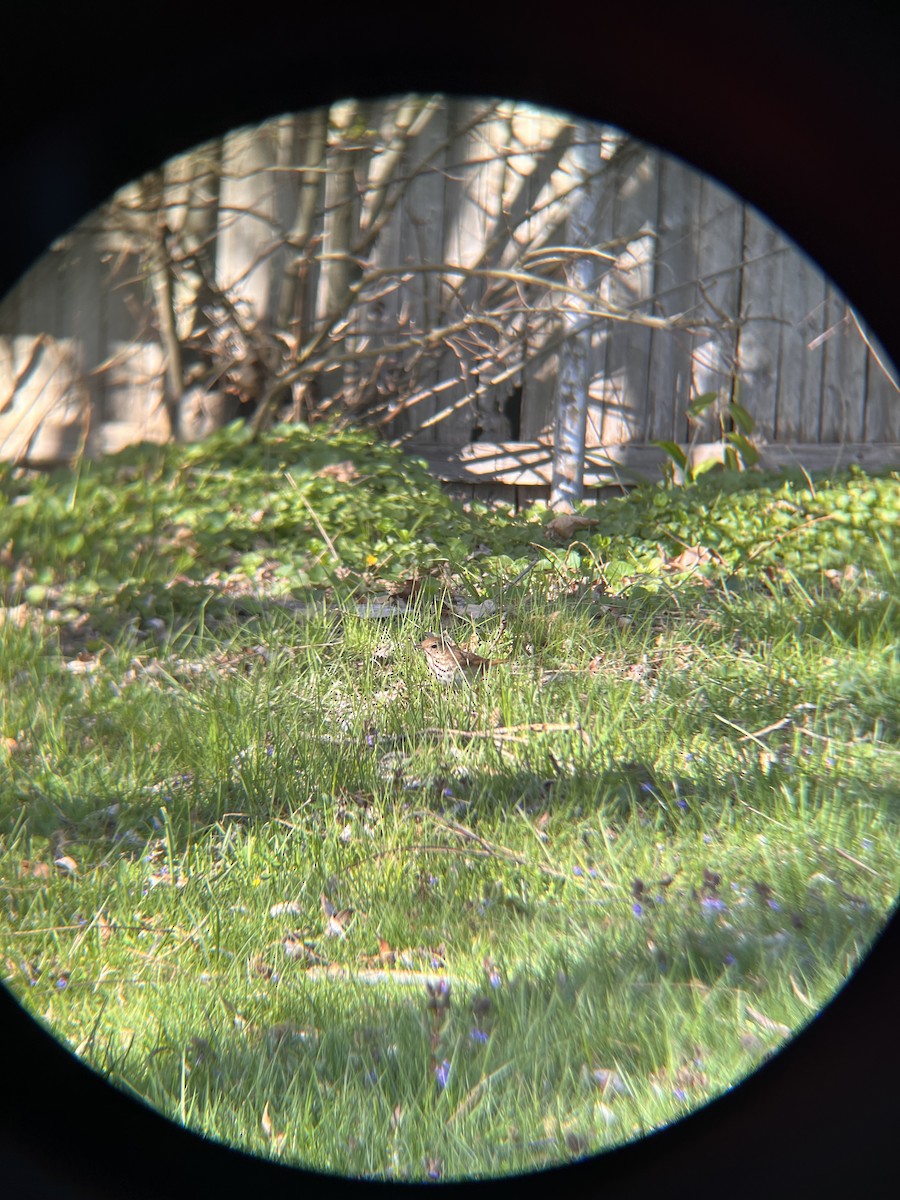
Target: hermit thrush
point(449, 663)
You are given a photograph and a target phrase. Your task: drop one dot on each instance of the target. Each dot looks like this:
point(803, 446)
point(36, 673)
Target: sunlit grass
point(264, 872)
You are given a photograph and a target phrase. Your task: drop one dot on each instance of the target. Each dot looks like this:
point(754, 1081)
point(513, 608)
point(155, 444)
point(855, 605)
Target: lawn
point(260, 869)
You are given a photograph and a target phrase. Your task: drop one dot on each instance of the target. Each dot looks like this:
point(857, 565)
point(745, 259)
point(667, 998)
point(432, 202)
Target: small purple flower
point(436, 965)
point(647, 787)
point(372, 1076)
point(478, 1035)
point(713, 904)
point(432, 880)
point(494, 978)
point(447, 793)
point(679, 1094)
point(773, 904)
point(577, 871)
point(592, 871)
point(829, 762)
point(729, 960)
point(637, 909)
point(682, 803)
point(442, 1073)
point(707, 838)
point(370, 740)
point(62, 983)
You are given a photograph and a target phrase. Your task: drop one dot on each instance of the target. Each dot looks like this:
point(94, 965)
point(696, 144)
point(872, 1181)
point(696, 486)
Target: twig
point(753, 737)
point(857, 862)
point(782, 724)
point(888, 373)
point(328, 542)
point(470, 1100)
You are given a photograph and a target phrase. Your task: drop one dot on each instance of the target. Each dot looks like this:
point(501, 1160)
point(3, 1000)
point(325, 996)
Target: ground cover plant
point(259, 868)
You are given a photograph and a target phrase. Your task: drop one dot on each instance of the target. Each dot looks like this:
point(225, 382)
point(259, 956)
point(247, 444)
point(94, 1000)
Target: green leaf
point(674, 452)
point(748, 452)
point(707, 464)
point(741, 416)
point(701, 403)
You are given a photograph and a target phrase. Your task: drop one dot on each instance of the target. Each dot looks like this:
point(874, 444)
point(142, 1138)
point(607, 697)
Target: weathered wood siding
point(284, 220)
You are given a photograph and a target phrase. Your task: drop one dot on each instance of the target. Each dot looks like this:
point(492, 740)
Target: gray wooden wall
point(284, 218)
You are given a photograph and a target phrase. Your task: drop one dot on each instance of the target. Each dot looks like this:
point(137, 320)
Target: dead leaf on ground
point(37, 870)
point(343, 472)
point(690, 558)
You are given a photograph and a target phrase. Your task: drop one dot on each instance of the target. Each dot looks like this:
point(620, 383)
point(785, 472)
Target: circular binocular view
point(448, 609)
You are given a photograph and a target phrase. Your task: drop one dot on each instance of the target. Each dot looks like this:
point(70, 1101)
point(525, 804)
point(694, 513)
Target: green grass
point(241, 828)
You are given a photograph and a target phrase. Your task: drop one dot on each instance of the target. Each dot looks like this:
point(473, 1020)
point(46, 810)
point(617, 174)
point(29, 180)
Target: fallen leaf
point(689, 559)
point(37, 870)
point(343, 472)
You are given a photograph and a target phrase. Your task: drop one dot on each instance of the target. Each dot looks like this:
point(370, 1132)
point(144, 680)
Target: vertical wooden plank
point(38, 293)
point(472, 208)
point(339, 228)
point(626, 384)
point(380, 312)
point(128, 326)
point(83, 312)
point(609, 142)
point(544, 185)
point(714, 354)
point(803, 311)
point(842, 416)
point(247, 225)
point(882, 392)
point(192, 212)
point(421, 218)
point(549, 196)
point(759, 339)
point(536, 197)
point(676, 269)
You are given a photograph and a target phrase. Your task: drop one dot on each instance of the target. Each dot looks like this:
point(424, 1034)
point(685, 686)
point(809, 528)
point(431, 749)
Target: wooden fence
point(405, 262)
